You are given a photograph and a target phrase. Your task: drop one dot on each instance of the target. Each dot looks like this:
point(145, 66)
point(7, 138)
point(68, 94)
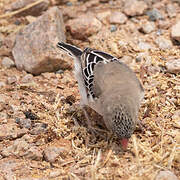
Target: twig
point(21, 10)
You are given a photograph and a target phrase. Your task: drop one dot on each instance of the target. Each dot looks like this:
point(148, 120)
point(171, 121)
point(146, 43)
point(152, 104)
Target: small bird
point(109, 87)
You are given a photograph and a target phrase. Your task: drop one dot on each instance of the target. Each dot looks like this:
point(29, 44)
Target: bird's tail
point(70, 49)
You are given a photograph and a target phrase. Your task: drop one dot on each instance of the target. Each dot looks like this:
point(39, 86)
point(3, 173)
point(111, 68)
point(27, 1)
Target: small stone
point(54, 174)
point(141, 56)
point(39, 128)
point(163, 43)
point(144, 46)
point(173, 66)
point(60, 71)
point(175, 32)
point(134, 7)
point(126, 59)
point(164, 24)
point(10, 131)
point(154, 15)
point(2, 84)
point(7, 62)
point(147, 27)
point(69, 3)
point(4, 99)
point(113, 28)
point(117, 18)
point(52, 153)
point(3, 117)
point(103, 15)
point(84, 26)
point(27, 78)
point(166, 175)
point(171, 10)
point(34, 153)
point(11, 79)
point(24, 123)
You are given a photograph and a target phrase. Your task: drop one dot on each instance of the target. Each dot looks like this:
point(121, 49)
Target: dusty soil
point(51, 102)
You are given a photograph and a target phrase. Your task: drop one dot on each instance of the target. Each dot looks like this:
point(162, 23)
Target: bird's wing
point(89, 59)
point(117, 75)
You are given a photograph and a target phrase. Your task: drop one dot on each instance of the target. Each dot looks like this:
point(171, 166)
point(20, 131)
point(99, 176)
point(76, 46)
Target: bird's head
point(121, 121)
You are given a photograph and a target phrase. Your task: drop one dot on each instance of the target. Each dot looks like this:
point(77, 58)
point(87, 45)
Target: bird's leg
point(88, 119)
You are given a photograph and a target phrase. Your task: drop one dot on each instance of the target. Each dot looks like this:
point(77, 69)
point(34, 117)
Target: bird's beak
point(124, 143)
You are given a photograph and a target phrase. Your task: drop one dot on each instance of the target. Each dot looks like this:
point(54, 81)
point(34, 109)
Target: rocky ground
point(43, 132)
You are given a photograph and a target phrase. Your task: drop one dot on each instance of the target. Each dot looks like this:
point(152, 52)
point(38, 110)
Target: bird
point(109, 87)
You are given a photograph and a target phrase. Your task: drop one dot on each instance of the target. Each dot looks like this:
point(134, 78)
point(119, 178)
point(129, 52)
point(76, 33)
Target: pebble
point(24, 123)
point(10, 131)
point(173, 66)
point(113, 28)
point(175, 32)
point(144, 46)
point(60, 71)
point(154, 15)
point(39, 128)
point(163, 43)
point(27, 78)
point(83, 26)
point(51, 153)
point(11, 79)
point(134, 7)
point(54, 174)
point(2, 84)
point(7, 62)
point(148, 27)
point(171, 10)
point(166, 175)
point(117, 18)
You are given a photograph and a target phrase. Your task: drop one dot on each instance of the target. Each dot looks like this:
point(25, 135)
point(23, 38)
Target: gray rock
point(154, 14)
point(113, 28)
point(175, 32)
point(117, 18)
point(35, 47)
point(166, 175)
point(163, 43)
point(173, 66)
point(24, 123)
point(52, 153)
point(7, 62)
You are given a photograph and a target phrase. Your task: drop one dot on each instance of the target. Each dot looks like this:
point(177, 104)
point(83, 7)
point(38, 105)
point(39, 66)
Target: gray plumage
point(109, 87)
